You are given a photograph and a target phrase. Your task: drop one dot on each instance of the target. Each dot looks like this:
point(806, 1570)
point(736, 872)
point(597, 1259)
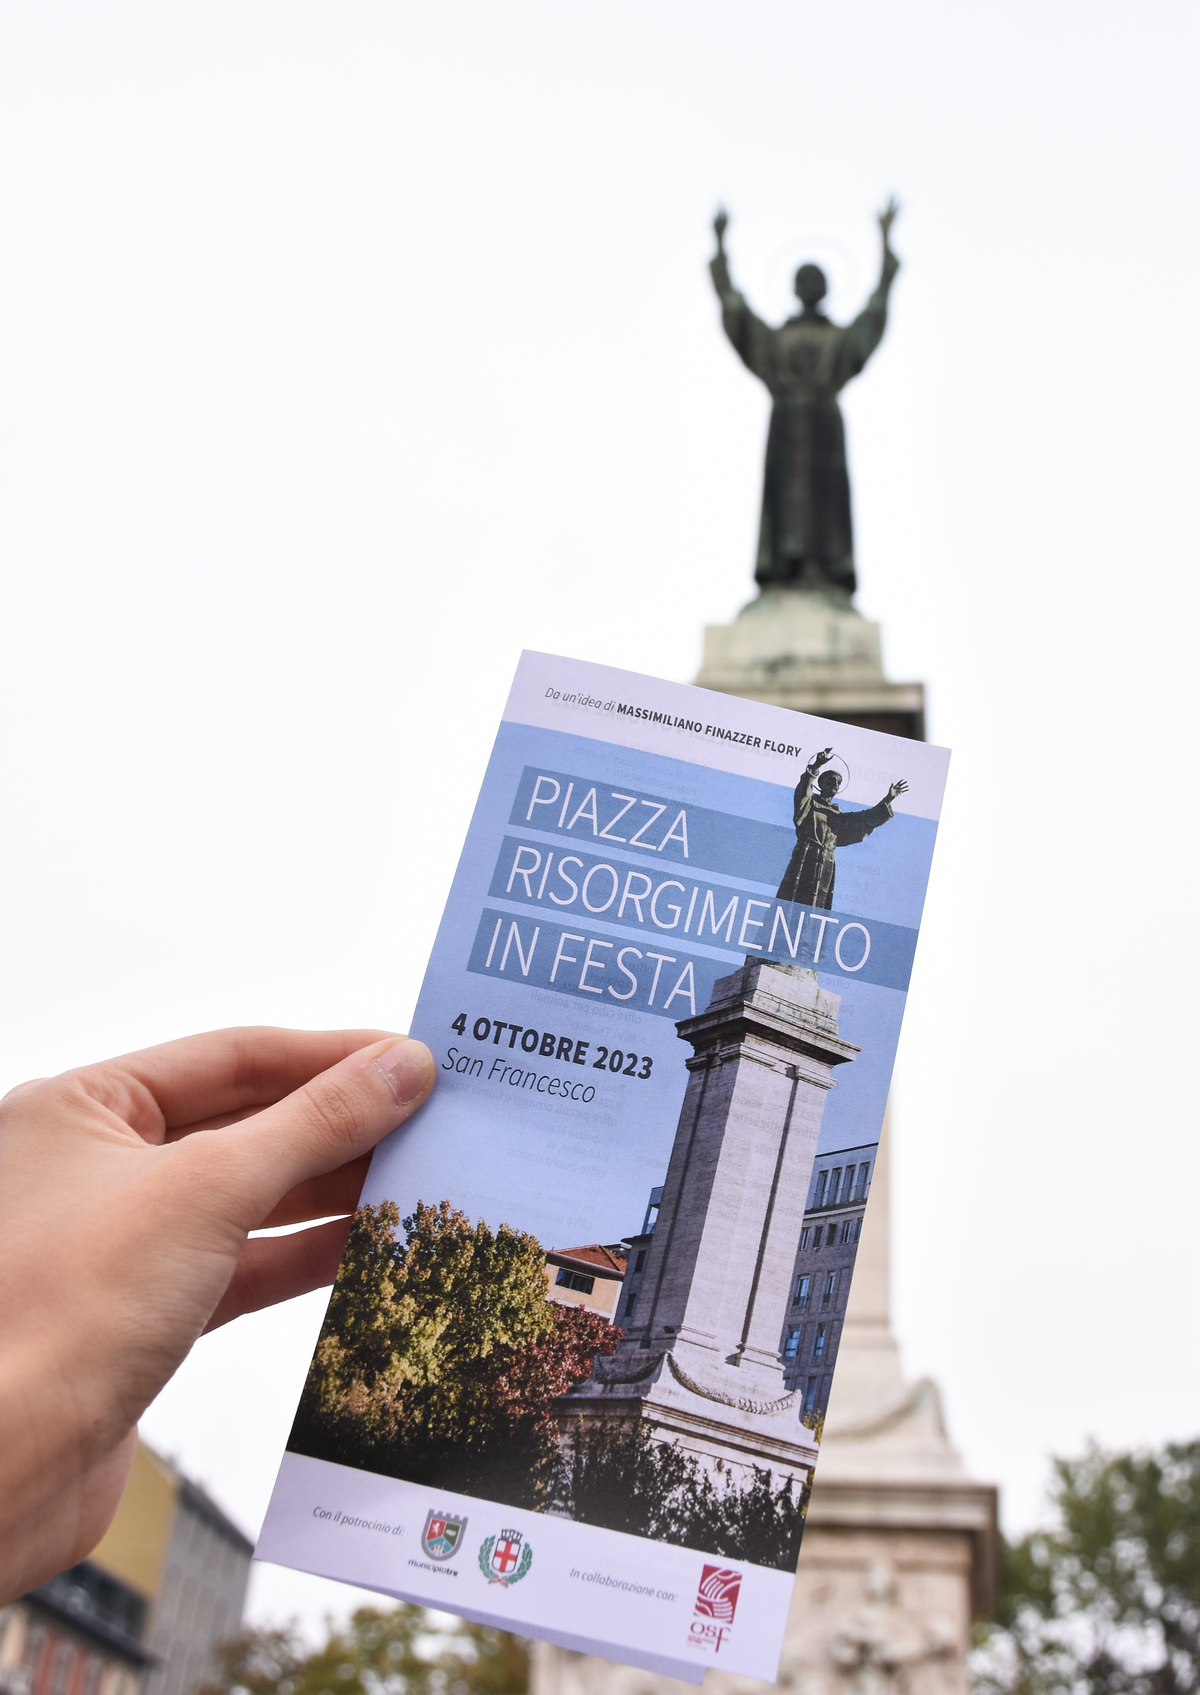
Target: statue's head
point(829, 782)
point(811, 286)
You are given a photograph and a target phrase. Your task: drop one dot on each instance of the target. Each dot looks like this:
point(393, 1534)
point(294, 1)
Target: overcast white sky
point(345, 350)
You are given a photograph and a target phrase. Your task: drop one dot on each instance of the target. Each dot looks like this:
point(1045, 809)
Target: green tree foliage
point(396, 1652)
point(421, 1315)
point(440, 1360)
point(1107, 1601)
point(440, 1355)
point(625, 1480)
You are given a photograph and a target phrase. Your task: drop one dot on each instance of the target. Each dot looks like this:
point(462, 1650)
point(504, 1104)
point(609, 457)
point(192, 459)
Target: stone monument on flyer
point(700, 1365)
point(899, 1551)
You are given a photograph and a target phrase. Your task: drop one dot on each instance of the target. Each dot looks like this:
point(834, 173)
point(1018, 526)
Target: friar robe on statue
point(805, 535)
point(821, 828)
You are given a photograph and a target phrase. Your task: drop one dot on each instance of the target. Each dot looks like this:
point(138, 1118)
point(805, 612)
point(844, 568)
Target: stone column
point(701, 1364)
point(900, 1544)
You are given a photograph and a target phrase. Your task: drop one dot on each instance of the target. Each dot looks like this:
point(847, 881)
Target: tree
point(524, 1382)
point(626, 1479)
point(393, 1652)
point(440, 1355)
point(1106, 1601)
point(441, 1361)
point(419, 1314)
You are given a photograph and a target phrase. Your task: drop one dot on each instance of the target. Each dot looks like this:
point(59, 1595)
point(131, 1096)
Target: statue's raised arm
point(749, 335)
point(890, 264)
point(862, 337)
point(720, 260)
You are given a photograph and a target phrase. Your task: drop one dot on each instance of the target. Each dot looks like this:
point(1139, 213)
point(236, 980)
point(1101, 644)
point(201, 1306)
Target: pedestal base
point(732, 1419)
point(888, 1578)
point(812, 651)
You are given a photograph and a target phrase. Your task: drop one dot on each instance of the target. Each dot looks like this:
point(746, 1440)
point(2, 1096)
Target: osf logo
point(716, 1603)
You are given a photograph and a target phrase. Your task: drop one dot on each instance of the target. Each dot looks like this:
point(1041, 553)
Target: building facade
point(147, 1611)
point(199, 1603)
point(637, 1249)
point(79, 1634)
point(829, 1240)
point(587, 1277)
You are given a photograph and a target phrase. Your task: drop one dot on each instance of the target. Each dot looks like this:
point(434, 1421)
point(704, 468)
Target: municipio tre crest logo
point(442, 1535)
point(506, 1558)
point(716, 1603)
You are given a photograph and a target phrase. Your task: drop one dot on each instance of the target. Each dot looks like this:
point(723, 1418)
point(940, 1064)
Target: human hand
point(127, 1191)
point(899, 787)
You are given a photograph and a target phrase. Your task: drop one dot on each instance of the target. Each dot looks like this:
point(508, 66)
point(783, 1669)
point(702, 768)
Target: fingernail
point(407, 1069)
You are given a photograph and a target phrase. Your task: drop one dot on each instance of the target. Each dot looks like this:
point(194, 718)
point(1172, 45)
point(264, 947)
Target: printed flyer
point(573, 1373)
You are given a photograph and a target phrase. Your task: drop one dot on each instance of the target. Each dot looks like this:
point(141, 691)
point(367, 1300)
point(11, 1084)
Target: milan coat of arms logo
point(506, 1558)
point(442, 1535)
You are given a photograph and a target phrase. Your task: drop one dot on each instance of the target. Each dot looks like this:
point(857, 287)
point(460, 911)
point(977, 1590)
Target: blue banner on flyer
point(669, 910)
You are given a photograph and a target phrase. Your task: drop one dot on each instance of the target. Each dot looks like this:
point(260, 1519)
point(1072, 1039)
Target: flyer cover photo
point(600, 1278)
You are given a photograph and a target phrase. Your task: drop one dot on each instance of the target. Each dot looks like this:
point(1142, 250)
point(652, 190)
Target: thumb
point(331, 1119)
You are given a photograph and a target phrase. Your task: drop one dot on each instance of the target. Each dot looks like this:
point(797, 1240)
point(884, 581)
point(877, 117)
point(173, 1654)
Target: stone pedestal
point(700, 1364)
point(900, 1546)
point(812, 651)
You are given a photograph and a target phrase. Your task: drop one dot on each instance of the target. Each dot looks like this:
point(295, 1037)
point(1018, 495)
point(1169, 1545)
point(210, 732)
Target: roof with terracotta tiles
point(594, 1253)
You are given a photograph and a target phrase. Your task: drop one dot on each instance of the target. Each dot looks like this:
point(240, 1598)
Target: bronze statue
point(805, 539)
point(821, 828)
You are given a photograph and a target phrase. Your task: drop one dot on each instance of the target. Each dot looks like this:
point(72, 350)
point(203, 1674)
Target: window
point(858, 1227)
point(805, 1236)
point(817, 1234)
point(791, 1346)
point(846, 1233)
point(575, 1280)
point(800, 1292)
point(64, 1662)
point(629, 1305)
point(830, 1286)
point(640, 1261)
point(835, 1183)
point(819, 1342)
point(35, 1636)
point(810, 1394)
point(819, 1197)
point(864, 1171)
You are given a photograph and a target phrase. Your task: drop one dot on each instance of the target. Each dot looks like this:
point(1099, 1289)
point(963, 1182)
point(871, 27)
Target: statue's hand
point(888, 216)
point(819, 759)
point(720, 225)
point(899, 787)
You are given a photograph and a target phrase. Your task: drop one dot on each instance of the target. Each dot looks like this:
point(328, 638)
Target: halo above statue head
point(838, 764)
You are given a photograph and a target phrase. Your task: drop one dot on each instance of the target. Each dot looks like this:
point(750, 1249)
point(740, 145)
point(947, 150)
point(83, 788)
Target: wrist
point(63, 1461)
